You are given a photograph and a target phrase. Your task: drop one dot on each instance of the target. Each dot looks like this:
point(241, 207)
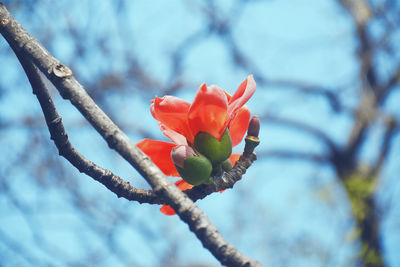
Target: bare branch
point(227, 180)
point(61, 76)
point(311, 89)
point(295, 155)
point(303, 127)
point(391, 83)
point(58, 134)
point(391, 129)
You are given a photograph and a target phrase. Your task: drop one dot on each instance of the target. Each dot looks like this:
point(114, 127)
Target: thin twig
point(303, 127)
point(296, 155)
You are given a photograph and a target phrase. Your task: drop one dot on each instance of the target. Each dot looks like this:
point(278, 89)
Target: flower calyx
point(193, 167)
point(217, 151)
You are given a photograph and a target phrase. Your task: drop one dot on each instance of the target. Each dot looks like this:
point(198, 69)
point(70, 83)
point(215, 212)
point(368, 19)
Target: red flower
point(212, 111)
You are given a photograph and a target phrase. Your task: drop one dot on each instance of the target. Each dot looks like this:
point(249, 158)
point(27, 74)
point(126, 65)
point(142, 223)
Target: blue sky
point(283, 212)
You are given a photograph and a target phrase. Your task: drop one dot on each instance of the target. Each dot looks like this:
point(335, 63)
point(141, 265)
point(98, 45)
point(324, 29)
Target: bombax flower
point(206, 129)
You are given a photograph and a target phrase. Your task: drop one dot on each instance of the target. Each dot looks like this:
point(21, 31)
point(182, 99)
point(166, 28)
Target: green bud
point(227, 165)
point(196, 170)
point(215, 150)
point(209, 181)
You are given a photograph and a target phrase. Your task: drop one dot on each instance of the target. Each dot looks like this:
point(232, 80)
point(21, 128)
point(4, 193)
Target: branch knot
point(62, 71)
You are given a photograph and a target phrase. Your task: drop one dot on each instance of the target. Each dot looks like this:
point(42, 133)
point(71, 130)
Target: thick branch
point(61, 76)
point(373, 91)
point(392, 128)
point(372, 97)
point(58, 134)
point(391, 83)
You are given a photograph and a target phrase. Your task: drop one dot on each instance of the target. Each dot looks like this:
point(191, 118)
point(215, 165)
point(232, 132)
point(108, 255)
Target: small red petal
point(182, 185)
point(175, 137)
point(228, 96)
point(243, 93)
point(172, 112)
point(234, 158)
point(167, 210)
point(239, 124)
point(160, 153)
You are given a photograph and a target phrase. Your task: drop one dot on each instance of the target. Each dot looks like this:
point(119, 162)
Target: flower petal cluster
point(213, 112)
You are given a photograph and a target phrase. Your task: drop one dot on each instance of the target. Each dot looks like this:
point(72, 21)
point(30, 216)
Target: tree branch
point(227, 180)
point(392, 128)
point(295, 155)
point(311, 89)
point(60, 137)
point(61, 76)
point(303, 127)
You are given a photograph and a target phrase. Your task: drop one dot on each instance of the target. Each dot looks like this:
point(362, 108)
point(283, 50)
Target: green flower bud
point(215, 150)
point(227, 165)
point(194, 168)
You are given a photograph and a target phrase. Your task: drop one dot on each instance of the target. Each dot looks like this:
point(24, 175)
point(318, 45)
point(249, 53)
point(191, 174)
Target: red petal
point(243, 93)
point(175, 137)
point(208, 112)
point(182, 185)
point(234, 158)
point(167, 210)
point(239, 125)
point(172, 112)
point(160, 153)
point(228, 96)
